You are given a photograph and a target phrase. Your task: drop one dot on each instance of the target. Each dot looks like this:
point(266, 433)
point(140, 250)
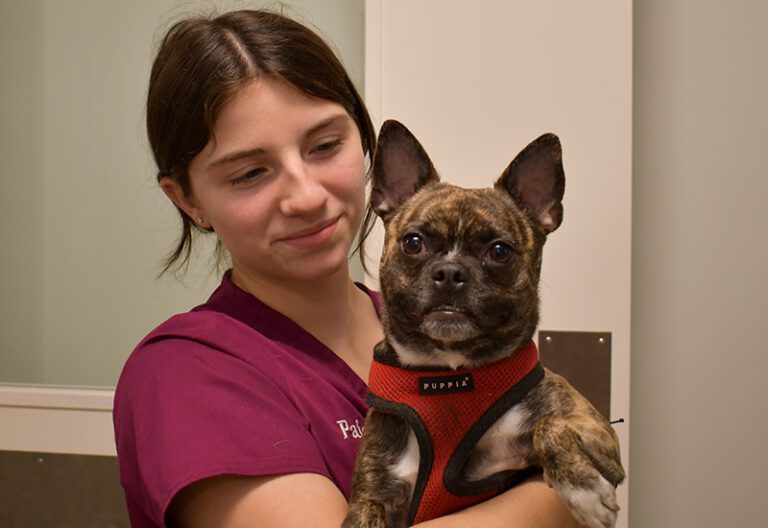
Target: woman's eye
point(249, 176)
point(412, 244)
point(328, 146)
point(500, 252)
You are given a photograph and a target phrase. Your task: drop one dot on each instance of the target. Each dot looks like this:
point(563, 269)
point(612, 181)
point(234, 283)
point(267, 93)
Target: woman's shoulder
point(197, 324)
point(220, 322)
point(178, 341)
point(201, 327)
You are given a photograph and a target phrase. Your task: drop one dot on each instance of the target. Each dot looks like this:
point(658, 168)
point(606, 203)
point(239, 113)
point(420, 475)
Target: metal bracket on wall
point(584, 359)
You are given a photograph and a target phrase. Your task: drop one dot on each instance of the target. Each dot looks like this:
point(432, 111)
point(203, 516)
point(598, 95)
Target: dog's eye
point(412, 244)
point(500, 252)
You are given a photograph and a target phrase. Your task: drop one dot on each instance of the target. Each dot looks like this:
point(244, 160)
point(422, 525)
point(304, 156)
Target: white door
point(476, 82)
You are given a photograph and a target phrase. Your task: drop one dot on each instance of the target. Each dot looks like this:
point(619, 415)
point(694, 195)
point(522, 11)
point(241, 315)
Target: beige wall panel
point(700, 294)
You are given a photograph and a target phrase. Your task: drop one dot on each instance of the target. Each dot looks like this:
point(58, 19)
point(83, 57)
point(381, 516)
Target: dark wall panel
point(41, 490)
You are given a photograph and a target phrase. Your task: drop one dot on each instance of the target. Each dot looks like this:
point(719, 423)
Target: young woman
point(248, 410)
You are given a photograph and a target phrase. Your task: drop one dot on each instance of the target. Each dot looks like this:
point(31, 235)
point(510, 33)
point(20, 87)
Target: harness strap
point(449, 411)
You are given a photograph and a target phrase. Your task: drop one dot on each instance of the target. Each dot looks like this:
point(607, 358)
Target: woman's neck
point(335, 311)
point(321, 303)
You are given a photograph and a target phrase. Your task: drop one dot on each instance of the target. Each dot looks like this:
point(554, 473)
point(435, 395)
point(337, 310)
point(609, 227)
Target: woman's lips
point(313, 237)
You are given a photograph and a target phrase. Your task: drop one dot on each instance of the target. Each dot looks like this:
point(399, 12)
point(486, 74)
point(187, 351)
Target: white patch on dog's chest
point(438, 358)
point(500, 447)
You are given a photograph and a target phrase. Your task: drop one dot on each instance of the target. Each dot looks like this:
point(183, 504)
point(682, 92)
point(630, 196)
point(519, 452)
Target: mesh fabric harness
point(449, 410)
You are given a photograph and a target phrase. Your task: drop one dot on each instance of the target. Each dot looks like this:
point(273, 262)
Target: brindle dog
point(459, 280)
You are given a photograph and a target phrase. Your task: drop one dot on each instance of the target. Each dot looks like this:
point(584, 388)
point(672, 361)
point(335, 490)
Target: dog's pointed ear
point(536, 181)
point(400, 168)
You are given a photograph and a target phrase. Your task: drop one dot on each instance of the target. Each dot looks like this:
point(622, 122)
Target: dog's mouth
point(448, 324)
point(452, 314)
point(446, 314)
point(451, 324)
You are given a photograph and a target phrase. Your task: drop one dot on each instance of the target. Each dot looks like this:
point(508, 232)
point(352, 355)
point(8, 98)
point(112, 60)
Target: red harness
point(449, 410)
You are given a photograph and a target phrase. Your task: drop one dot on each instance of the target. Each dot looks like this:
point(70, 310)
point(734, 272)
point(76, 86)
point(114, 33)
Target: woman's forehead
point(269, 111)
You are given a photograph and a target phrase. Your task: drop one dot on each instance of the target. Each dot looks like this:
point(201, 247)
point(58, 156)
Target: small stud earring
point(200, 221)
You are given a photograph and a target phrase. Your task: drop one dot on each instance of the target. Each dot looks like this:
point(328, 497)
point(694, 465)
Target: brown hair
point(203, 61)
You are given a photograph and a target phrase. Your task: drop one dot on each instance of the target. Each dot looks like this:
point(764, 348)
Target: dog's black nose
point(450, 275)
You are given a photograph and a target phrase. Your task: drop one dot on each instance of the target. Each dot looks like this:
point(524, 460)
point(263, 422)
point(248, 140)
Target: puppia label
point(431, 385)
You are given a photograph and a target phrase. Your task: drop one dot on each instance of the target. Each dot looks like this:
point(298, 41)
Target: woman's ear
point(186, 203)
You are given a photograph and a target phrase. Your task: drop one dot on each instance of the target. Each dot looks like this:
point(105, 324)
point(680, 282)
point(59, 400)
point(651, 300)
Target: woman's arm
point(295, 500)
point(306, 499)
point(531, 504)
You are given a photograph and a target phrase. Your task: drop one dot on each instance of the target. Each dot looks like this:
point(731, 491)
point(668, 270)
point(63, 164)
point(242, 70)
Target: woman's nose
point(304, 193)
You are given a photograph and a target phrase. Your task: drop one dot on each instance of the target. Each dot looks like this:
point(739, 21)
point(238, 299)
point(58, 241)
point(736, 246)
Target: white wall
point(700, 293)
point(477, 82)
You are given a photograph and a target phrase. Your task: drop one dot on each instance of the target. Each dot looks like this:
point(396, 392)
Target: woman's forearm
point(531, 504)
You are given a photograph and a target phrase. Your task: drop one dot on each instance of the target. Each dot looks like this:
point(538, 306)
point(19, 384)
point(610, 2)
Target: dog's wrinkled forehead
point(454, 214)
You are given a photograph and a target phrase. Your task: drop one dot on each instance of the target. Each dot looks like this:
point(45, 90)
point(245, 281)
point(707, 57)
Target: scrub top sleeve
point(185, 411)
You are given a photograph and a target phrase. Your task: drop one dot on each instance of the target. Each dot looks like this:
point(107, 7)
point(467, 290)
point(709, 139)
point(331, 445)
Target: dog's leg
point(579, 452)
point(506, 446)
point(381, 483)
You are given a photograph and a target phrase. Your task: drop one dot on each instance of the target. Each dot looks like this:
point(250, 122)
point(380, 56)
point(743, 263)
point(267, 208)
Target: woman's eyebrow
point(235, 156)
point(325, 123)
point(249, 153)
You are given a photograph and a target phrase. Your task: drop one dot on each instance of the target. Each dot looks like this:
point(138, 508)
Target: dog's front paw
point(583, 468)
point(594, 506)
